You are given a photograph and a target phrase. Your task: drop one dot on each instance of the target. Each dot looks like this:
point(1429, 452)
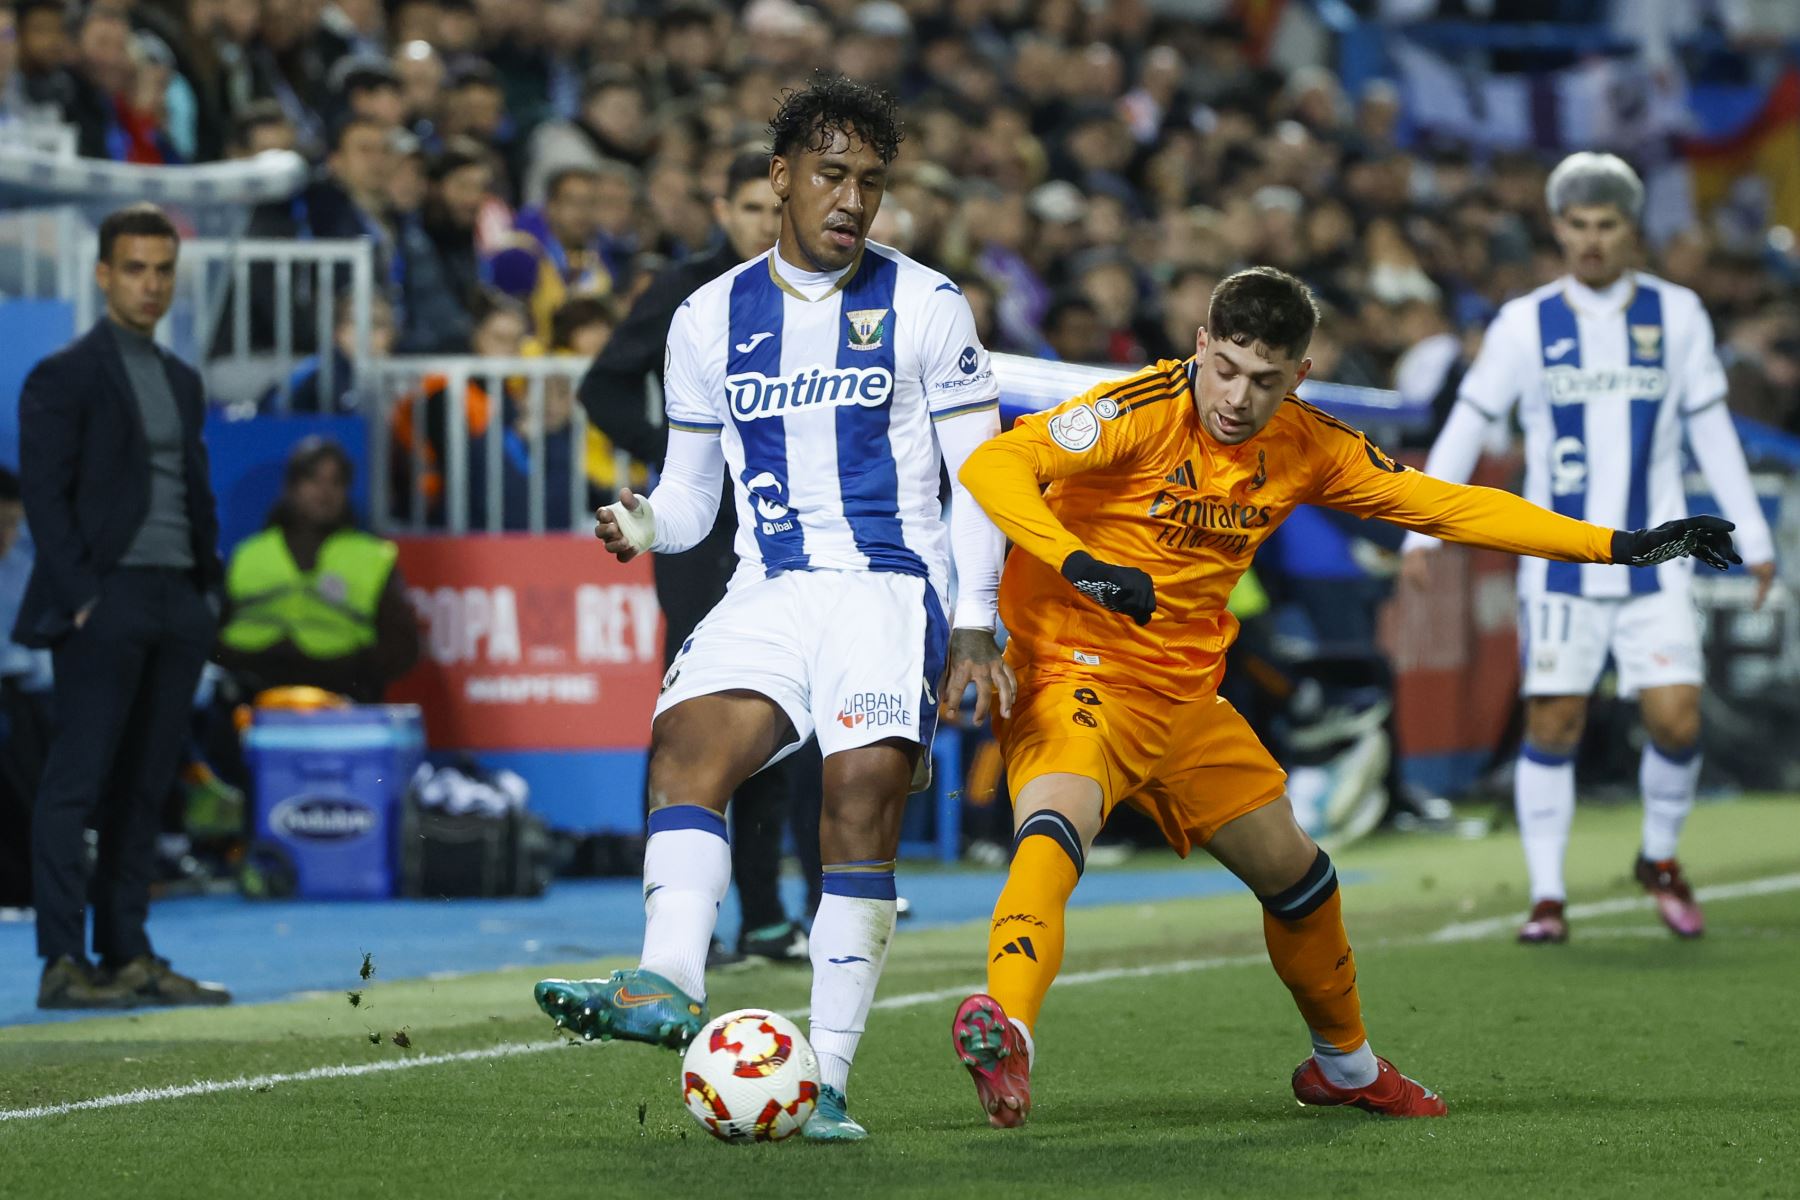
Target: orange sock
point(1304, 927)
point(1025, 940)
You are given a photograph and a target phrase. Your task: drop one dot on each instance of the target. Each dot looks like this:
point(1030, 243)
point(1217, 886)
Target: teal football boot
point(632, 1006)
point(830, 1121)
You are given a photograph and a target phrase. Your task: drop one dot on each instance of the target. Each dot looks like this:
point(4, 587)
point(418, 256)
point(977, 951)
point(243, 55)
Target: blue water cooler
point(329, 793)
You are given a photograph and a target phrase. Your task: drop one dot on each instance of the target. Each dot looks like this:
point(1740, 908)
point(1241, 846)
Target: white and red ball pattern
point(750, 1076)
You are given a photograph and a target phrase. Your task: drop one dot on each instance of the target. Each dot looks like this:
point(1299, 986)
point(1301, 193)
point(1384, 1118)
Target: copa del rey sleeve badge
point(1075, 430)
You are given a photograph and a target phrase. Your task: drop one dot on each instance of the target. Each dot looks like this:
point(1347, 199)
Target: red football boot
point(1674, 898)
point(1391, 1095)
point(998, 1059)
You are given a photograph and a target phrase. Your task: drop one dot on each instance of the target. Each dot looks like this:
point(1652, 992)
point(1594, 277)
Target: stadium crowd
point(1087, 172)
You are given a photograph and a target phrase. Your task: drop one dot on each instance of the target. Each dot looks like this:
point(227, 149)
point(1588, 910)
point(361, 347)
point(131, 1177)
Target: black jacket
point(612, 391)
point(441, 276)
point(322, 210)
point(84, 469)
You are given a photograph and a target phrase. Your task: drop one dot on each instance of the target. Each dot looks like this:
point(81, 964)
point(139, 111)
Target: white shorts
point(1564, 641)
point(853, 656)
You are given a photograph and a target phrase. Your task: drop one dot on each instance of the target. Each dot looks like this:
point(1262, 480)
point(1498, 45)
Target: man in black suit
point(688, 586)
point(123, 593)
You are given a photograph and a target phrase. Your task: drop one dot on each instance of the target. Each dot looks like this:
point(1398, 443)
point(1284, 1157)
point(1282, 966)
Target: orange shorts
point(1192, 766)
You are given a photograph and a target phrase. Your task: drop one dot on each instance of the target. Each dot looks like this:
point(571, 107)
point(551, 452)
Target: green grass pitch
point(1625, 1063)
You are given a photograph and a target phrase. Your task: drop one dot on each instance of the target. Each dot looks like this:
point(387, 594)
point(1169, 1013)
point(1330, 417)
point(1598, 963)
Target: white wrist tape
point(639, 527)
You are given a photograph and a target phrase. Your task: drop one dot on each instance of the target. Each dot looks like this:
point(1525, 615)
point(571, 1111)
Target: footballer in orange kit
point(1133, 510)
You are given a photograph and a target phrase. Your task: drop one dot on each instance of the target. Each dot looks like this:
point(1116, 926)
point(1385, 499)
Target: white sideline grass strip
point(1460, 932)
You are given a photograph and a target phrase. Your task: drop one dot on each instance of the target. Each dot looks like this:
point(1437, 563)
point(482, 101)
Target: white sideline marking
point(1464, 931)
point(207, 1087)
point(1468, 930)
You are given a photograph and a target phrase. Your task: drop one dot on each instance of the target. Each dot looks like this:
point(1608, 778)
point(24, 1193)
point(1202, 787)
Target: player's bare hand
point(975, 658)
point(1764, 574)
point(1415, 566)
point(624, 528)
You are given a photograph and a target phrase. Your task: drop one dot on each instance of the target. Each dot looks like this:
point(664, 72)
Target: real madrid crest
point(1646, 340)
point(867, 326)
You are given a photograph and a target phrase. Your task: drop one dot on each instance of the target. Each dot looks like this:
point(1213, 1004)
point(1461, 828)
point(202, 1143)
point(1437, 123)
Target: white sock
point(1668, 783)
point(850, 939)
point(1544, 799)
point(1354, 1069)
point(687, 869)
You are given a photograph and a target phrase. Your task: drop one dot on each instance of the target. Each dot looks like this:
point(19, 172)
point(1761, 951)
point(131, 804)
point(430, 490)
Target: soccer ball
point(750, 1076)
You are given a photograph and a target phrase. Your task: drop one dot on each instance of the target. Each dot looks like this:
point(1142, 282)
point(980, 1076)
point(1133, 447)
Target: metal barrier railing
point(450, 430)
point(215, 295)
point(32, 262)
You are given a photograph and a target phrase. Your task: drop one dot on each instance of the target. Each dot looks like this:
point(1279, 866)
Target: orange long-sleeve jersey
point(1134, 479)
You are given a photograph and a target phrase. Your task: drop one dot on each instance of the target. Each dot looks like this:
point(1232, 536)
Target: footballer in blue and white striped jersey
point(1606, 381)
point(1612, 370)
point(832, 379)
point(824, 388)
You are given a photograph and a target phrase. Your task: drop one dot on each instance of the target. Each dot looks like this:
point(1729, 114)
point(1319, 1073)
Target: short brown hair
point(1264, 305)
point(137, 220)
point(576, 314)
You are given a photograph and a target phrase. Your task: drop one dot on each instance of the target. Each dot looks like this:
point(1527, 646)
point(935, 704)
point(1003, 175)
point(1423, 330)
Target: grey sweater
point(164, 539)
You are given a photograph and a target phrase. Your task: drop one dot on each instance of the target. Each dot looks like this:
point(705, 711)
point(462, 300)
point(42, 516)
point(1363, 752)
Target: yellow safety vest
point(1247, 599)
point(327, 612)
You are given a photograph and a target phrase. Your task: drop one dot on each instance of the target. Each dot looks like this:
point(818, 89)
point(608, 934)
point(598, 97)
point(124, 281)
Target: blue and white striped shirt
point(823, 393)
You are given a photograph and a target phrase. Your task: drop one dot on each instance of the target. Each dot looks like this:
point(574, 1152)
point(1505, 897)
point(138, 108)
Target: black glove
point(1705, 538)
point(1120, 589)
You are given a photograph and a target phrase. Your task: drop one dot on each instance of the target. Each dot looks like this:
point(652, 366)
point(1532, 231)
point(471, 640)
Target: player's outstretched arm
point(1453, 457)
point(679, 513)
point(1371, 485)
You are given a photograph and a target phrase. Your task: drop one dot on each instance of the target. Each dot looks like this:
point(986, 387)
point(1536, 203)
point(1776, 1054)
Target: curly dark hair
point(833, 104)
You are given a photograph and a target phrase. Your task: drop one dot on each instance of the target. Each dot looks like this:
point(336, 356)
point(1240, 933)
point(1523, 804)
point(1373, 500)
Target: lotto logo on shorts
point(875, 710)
